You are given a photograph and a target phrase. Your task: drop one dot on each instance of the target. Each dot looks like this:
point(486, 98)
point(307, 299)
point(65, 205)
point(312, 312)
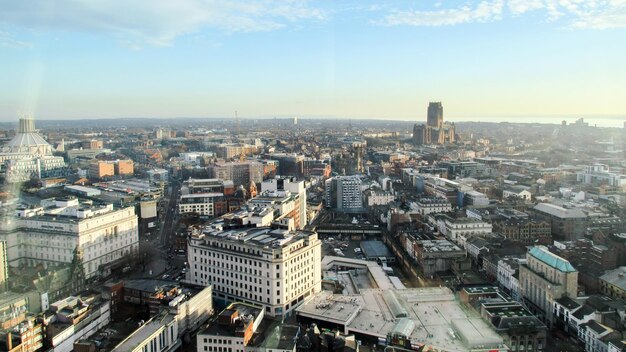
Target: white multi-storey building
point(600, 173)
point(276, 269)
point(508, 269)
point(375, 197)
point(200, 203)
point(425, 206)
point(297, 188)
point(52, 233)
point(460, 229)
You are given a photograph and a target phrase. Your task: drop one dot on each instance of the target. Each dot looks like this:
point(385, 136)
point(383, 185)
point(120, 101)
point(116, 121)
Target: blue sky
point(71, 59)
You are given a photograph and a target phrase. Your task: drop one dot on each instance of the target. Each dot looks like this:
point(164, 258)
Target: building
point(520, 192)
point(86, 154)
point(104, 168)
point(544, 279)
point(93, 144)
point(235, 150)
point(374, 197)
point(233, 329)
point(428, 205)
point(520, 330)
point(289, 164)
point(242, 327)
point(475, 198)
point(296, 188)
point(508, 276)
point(600, 174)
point(26, 336)
point(62, 229)
point(613, 283)
point(4, 267)
point(527, 231)
point(158, 334)
point(28, 156)
point(458, 229)
point(82, 191)
point(74, 318)
point(410, 318)
point(596, 336)
point(276, 269)
point(343, 193)
point(286, 208)
point(101, 169)
point(565, 223)
point(435, 131)
point(204, 204)
point(241, 173)
point(158, 175)
point(207, 185)
point(124, 167)
point(436, 256)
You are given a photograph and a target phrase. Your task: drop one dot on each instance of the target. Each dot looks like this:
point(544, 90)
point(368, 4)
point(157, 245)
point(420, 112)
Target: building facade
point(544, 279)
point(276, 269)
point(344, 193)
point(435, 131)
point(61, 229)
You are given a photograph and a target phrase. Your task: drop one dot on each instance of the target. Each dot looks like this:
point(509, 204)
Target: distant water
point(613, 121)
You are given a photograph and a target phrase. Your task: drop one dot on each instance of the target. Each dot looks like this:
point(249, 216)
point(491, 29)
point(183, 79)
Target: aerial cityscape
point(293, 176)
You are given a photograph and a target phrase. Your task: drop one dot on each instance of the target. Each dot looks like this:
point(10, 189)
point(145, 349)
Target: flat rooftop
point(145, 331)
point(375, 249)
point(258, 236)
point(439, 319)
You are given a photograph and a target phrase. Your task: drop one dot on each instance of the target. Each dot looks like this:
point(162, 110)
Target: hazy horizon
point(616, 121)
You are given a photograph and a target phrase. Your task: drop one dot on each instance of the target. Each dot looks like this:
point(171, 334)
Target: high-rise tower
point(435, 115)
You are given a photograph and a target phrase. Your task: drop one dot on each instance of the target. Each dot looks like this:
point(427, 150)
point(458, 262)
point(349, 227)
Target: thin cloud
point(8, 41)
point(485, 11)
point(158, 22)
point(575, 14)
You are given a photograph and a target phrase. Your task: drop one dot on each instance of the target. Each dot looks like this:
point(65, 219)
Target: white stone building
point(52, 233)
point(201, 203)
point(276, 269)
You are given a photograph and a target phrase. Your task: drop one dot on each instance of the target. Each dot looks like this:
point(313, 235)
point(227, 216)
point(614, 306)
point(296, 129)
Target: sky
point(491, 59)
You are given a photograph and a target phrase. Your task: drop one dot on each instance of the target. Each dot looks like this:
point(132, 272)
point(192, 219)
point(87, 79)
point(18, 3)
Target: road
point(170, 215)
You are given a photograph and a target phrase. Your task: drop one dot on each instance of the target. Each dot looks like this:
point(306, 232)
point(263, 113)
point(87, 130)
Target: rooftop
point(140, 335)
point(616, 277)
point(559, 212)
point(438, 319)
point(257, 236)
point(543, 254)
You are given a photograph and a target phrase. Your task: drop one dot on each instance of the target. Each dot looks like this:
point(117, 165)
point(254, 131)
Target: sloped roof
point(544, 255)
point(27, 139)
point(616, 277)
point(568, 303)
point(559, 212)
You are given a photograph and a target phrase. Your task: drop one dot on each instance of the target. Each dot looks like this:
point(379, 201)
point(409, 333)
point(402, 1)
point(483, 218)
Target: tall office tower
point(435, 115)
point(344, 193)
point(276, 269)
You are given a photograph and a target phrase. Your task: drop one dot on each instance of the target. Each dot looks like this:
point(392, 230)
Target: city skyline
point(517, 61)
